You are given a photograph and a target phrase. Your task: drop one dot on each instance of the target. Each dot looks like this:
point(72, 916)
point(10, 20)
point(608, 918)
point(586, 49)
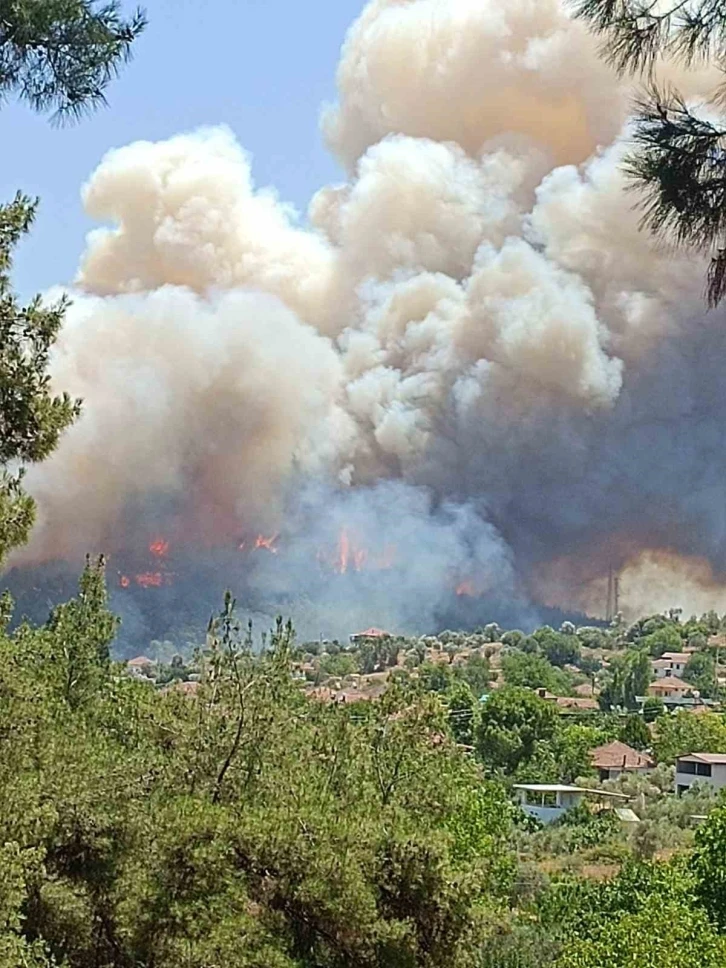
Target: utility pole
point(611, 588)
point(616, 596)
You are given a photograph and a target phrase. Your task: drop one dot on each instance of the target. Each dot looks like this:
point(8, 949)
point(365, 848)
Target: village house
point(577, 704)
point(670, 687)
point(703, 768)
point(671, 664)
point(569, 703)
point(371, 633)
point(548, 802)
point(141, 667)
point(615, 758)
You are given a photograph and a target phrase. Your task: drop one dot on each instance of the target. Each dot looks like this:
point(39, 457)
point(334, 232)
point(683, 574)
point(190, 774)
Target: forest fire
point(466, 589)
point(261, 543)
point(151, 579)
point(268, 544)
point(159, 547)
point(350, 555)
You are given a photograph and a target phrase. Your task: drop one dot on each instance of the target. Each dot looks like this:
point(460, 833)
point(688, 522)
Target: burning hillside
point(467, 388)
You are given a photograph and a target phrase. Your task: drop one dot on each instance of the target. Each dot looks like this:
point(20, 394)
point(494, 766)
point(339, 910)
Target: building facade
point(702, 768)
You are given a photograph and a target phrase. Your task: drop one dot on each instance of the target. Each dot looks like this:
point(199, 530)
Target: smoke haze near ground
point(468, 352)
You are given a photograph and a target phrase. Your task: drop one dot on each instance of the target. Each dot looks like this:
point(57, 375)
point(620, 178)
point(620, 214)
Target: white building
point(703, 768)
point(547, 802)
point(671, 664)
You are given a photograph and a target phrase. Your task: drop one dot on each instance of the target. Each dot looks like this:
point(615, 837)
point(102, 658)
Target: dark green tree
point(685, 733)
point(700, 672)
point(463, 713)
point(56, 55)
point(31, 416)
point(679, 157)
point(512, 722)
point(534, 672)
point(476, 673)
point(635, 732)
point(708, 864)
point(559, 648)
point(629, 676)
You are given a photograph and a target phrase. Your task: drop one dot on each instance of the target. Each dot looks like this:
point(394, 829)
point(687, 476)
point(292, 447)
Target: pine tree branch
point(636, 33)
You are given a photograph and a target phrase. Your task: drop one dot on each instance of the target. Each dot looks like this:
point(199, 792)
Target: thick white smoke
point(471, 348)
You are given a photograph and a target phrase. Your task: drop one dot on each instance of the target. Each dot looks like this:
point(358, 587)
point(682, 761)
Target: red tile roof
point(619, 756)
point(577, 702)
point(670, 684)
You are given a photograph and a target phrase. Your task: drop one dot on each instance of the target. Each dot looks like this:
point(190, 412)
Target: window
point(681, 789)
point(684, 766)
point(703, 769)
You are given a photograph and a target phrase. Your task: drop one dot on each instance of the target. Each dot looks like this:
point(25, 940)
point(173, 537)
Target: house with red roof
point(615, 758)
point(371, 633)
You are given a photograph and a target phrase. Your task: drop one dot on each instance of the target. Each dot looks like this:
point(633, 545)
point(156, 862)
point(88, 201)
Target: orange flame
point(159, 547)
point(267, 543)
point(149, 579)
point(466, 589)
point(343, 552)
point(350, 555)
point(124, 581)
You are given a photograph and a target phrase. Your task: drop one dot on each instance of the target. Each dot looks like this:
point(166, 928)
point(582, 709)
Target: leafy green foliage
point(245, 825)
point(661, 934)
point(700, 671)
point(512, 722)
point(475, 672)
point(571, 747)
point(629, 676)
point(685, 733)
point(557, 647)
point(709, 865)
point(534, 672)
point(634, 732)
point(342, 664)
point(31, 417)
point(647, 915)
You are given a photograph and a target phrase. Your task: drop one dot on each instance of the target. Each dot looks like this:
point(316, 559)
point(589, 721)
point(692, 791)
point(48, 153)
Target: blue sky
point(264, 67)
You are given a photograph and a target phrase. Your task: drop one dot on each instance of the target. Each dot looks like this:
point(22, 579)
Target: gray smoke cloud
point(468, 353)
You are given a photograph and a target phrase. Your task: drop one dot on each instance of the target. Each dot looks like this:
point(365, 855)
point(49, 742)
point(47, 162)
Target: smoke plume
point(464, 388)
